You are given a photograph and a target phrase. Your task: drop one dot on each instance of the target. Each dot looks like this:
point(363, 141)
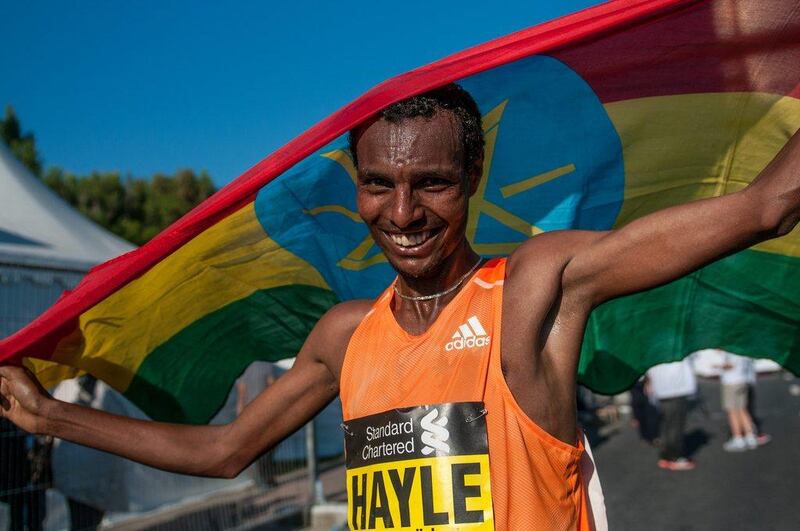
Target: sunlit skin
point(410, 180)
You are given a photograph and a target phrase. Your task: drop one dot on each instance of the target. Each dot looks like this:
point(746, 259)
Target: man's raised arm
point(673, 242)
point(213, 450)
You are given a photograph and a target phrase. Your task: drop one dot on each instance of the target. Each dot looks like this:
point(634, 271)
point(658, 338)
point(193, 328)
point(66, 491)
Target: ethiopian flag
point(591, 121)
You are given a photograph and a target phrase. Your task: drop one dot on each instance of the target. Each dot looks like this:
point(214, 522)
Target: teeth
point(410, 240)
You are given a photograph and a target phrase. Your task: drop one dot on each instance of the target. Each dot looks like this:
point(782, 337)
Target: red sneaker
point(763, 438)
point(678, 465)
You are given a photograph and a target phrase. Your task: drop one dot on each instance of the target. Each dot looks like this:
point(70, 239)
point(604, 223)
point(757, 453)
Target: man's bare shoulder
point(329, 339)
point(344, 317)
point(548, 251)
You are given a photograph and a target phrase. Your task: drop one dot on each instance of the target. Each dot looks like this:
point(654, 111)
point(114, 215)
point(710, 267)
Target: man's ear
point(474, 177)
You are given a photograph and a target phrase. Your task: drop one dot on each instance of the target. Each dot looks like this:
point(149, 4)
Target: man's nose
point(405, 210)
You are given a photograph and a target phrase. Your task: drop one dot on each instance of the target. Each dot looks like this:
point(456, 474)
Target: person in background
point(673, 384)
point(18, 486)
point(761, 436)
point(40, 452)
point(83, 516)
point(645, 413)
point(257, 377)
point(736, 376)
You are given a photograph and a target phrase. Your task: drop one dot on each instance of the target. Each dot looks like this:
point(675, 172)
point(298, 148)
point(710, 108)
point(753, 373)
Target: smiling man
point(458, 383)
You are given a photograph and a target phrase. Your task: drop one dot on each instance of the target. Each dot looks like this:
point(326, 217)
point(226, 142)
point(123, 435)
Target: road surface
point(754, 490)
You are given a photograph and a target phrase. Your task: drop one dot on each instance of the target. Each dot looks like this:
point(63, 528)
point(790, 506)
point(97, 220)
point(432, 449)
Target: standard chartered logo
point(434, 434)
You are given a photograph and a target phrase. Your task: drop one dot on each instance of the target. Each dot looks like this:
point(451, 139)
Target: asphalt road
point(754, 490)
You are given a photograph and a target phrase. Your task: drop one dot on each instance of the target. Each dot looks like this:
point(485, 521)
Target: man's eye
point(434, 183)
point(376, 182)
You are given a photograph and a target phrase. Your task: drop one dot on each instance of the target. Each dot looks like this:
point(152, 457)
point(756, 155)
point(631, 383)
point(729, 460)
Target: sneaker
point(735, 444)
point(750, 441)
point(763, 438)
point(680, 464)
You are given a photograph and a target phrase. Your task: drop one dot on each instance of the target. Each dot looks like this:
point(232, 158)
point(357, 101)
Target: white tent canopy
point(45, 245)
point(39, 229)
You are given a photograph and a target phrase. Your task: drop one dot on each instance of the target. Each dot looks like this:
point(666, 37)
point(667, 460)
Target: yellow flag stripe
point(687, 147)
point(228, 262)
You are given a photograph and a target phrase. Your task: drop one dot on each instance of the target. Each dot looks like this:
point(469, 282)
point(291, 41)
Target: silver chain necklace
point(441, 293)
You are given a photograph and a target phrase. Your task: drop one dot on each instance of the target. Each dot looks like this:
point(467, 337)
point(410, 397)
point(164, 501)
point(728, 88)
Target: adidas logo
point(469, 335)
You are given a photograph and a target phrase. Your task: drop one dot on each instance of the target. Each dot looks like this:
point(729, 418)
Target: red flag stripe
point(645, 61)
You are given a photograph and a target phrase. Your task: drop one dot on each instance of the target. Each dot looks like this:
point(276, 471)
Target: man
point(421, 371)
point(672, 384)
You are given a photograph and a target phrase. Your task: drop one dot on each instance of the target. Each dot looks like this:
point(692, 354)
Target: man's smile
point(406, 243)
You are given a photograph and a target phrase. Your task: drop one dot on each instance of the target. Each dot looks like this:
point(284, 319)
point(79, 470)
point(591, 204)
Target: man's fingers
point(5, 404)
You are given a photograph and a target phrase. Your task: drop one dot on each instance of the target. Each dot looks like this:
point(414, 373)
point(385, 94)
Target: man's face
point(412, 192)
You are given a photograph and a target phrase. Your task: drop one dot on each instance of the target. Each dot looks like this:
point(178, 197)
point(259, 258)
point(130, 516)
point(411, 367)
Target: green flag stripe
point(747, 303)
point(188, 378)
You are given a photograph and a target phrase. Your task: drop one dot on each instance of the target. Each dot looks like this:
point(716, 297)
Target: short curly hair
point(450, 97)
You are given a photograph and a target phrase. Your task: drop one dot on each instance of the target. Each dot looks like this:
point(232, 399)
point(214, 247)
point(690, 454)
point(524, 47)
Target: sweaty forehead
point(427, 143)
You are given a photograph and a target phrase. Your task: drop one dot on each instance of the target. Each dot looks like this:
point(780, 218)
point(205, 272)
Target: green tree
point(63, 183)
point(22, 146)
point(131, 207)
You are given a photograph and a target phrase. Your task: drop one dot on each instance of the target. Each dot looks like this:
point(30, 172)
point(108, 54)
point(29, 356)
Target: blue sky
point(143, 87)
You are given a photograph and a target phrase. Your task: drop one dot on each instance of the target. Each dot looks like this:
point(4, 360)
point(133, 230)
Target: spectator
point(24, 470)
point(83, 516)
point(645, 413)
point(737, 373)
point(90, 481)
point(761, 437)
point(257, 377)
point(673, 384)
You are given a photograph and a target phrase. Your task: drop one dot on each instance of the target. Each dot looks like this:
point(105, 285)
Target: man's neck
point(416, 316)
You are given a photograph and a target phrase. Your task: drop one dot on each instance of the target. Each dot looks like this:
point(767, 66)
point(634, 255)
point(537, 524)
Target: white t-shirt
point(742, 370)
point(671, 380)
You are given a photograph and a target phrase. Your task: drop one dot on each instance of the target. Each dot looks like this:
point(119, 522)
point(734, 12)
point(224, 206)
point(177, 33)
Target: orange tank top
point(420, 412)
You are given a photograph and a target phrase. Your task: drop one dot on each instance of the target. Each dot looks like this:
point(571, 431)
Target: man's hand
point(22, 398)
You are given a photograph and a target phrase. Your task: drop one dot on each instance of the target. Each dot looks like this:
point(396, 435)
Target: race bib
point(424, 468)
